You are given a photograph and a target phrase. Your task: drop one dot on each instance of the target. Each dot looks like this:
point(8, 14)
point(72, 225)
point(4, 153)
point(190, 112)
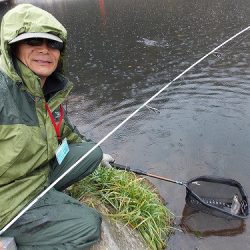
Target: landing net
point(218, 196)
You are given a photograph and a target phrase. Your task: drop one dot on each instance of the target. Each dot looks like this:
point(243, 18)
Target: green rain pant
point(57, 221)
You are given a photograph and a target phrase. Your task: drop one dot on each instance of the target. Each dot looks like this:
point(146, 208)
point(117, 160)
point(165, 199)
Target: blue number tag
point(62, 151)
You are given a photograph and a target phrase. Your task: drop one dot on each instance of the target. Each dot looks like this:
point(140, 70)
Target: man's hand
point(106, 160)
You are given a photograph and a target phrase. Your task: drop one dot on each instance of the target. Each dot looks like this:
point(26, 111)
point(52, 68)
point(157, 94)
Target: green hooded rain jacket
point(27, 137)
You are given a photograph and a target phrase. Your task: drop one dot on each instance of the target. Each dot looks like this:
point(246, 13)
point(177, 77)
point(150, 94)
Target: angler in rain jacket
point(28, 142)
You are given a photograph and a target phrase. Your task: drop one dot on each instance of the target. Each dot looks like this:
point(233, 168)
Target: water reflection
point(102, 12)
point(203, 224)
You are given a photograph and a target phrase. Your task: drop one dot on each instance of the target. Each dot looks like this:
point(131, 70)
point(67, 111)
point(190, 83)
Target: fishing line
point(226, 52)
point(114, 130)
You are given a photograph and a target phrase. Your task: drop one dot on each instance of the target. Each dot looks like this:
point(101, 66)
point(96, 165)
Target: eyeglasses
point(39, 42)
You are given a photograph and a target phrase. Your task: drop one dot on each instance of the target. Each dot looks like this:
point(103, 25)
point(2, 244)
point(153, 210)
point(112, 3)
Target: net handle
point(141, 172)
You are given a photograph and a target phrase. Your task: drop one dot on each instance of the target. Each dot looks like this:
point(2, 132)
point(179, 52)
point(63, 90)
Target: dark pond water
point(121, 52)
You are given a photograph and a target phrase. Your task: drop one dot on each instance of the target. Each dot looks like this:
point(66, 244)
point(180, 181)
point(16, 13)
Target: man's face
point(42, 59)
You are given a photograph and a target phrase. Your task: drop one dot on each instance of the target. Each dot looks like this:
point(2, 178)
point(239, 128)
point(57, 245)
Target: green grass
point(130, 199)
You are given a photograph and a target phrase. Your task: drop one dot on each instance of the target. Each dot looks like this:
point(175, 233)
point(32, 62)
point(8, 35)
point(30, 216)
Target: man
point(38, 143)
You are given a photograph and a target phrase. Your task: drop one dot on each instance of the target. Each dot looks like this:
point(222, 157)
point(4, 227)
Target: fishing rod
point(141, 172)
point(114, 130)
point(215, 195)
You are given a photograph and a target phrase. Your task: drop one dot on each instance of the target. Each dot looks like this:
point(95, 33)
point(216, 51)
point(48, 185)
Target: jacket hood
point(22, 19)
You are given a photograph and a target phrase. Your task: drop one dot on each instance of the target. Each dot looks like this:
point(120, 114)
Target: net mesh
point(220, 197)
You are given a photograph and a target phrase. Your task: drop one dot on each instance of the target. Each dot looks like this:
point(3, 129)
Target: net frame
point(200, 204)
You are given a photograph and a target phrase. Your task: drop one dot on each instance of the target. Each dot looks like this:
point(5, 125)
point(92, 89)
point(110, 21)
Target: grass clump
point(130, 199)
